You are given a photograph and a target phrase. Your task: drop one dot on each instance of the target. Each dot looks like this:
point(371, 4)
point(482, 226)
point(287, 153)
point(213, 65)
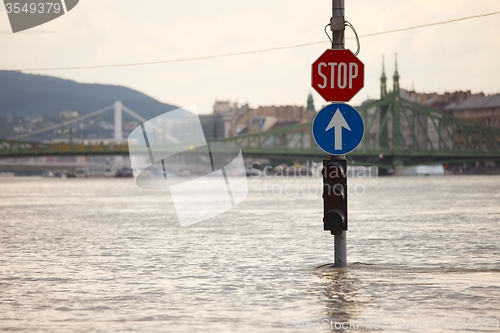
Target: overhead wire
point(249, 52)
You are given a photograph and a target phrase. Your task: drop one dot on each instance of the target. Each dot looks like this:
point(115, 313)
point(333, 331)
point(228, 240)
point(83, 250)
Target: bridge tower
point(397, 137)
point(396, 76)
point(383, 133)
point(383, 81)
point(118, 107)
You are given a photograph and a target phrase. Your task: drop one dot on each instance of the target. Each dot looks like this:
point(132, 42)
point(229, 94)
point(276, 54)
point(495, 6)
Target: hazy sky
point(462, 55)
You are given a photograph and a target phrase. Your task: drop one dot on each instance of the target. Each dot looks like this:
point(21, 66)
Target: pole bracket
point(337, 23)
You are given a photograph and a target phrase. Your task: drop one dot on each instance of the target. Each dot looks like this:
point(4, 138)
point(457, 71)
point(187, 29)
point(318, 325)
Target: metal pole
point(338, 12)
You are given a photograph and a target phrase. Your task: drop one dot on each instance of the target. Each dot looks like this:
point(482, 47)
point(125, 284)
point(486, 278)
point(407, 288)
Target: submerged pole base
point(340, 250)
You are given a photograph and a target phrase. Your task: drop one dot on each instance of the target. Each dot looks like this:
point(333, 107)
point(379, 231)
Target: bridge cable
point(143, 120)
point(45, 129)
point(133, 114)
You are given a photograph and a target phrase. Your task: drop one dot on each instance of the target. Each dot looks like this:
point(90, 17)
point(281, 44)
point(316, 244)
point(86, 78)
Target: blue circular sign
point(338, 128)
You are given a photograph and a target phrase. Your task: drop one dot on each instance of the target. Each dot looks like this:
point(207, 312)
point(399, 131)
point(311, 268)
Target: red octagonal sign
point(338, 75)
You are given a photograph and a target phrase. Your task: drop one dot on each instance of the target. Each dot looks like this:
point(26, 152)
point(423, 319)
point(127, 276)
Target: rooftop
point(479, 102)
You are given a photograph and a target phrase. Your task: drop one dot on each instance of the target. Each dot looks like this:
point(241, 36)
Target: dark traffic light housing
point(335, 195)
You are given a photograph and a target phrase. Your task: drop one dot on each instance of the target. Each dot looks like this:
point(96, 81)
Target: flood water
point(103, 255)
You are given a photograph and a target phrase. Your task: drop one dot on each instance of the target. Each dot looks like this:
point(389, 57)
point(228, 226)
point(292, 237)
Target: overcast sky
point(462, 55)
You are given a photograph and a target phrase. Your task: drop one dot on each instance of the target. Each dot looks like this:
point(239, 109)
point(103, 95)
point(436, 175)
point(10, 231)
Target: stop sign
point(338, 75)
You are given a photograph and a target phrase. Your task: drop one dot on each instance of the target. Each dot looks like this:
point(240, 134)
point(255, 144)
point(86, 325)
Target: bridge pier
point(399, 168)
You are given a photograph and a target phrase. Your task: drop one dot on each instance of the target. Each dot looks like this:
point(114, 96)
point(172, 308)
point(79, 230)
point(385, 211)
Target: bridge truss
point(398, 132)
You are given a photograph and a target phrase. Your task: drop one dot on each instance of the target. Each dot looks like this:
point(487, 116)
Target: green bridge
point(398, 133)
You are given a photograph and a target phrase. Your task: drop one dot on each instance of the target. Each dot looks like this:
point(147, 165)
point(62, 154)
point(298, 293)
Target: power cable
point(250, 52)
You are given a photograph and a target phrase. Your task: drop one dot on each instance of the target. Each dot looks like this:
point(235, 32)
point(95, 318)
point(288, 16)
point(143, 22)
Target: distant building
point(222, 122)
point(69, 114)
point(265, 118)
point(480, 108)
point(229, 119)
point(213, 126)
point(442, 102)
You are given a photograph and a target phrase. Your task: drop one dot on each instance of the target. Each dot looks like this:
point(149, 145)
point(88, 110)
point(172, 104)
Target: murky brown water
point(107, 256)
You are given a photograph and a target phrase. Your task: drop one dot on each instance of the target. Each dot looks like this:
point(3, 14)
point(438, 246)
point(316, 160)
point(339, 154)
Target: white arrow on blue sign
point(338, 128)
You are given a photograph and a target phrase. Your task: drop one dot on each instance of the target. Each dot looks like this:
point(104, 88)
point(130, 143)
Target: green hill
point(27, 94)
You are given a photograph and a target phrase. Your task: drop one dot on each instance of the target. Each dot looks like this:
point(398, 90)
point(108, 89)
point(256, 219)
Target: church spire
point(383, 81)
point(396, 76)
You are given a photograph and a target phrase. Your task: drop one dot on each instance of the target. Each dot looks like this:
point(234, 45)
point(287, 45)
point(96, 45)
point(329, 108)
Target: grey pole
point(337, 24)
point(338, 28)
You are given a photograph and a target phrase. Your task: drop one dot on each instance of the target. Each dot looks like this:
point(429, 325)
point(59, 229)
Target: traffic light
point(335, 196)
